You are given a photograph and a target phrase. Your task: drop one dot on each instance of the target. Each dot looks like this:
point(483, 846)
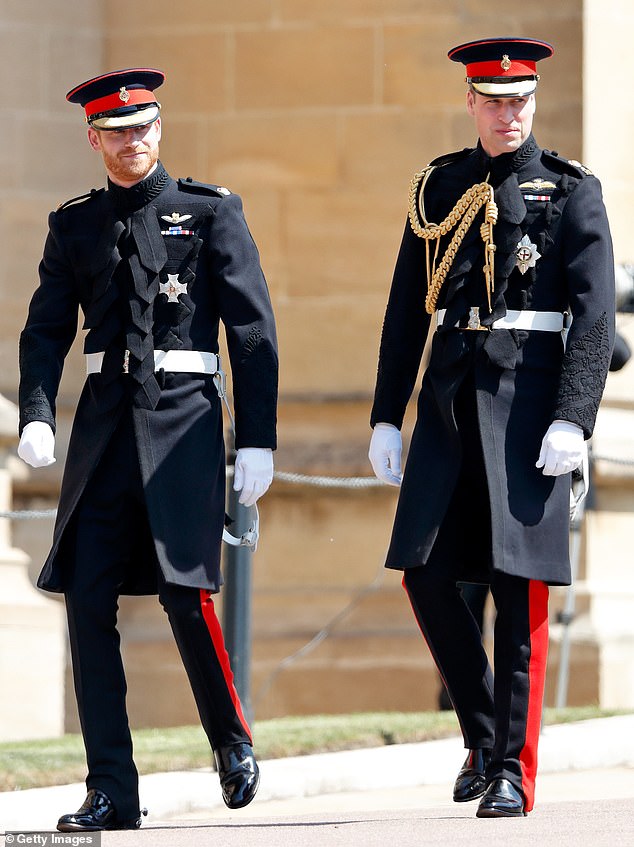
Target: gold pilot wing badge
point(526, 255)
point(538, 185)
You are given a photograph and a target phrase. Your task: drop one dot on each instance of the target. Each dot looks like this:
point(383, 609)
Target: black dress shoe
point(501, 800)
point(97, 812)
point(239, 774)
point(470, 782)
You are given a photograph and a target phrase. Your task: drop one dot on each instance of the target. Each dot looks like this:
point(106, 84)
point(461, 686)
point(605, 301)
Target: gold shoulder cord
point(462, 215)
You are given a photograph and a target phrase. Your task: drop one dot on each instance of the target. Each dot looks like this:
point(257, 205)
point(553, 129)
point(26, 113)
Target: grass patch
point(34, 764)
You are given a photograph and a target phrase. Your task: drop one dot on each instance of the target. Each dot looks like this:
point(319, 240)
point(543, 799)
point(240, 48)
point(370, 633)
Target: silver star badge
point(172, 288)
point(526, 254)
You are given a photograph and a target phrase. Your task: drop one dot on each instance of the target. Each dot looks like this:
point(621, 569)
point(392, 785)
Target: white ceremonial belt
point(186, 361)
point(515, 319)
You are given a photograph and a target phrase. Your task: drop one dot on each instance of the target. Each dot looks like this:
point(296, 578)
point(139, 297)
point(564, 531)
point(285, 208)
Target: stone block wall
point(317, 113)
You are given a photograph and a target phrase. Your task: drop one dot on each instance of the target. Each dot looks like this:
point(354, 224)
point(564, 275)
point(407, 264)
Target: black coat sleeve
point(405, 329)
point(49, 332)
point(589, 270)
point(247, 315)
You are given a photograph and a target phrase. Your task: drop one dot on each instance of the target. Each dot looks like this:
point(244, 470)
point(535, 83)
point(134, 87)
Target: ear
point(470, 102)
point(93, 139)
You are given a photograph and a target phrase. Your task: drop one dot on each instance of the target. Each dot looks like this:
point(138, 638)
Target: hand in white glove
point(562, 450)
point(37, 445)
point(253, 473)
point(386, 446)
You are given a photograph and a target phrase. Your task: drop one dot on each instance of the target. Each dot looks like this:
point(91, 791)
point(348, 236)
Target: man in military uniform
point(155, 265)
point(508, 248)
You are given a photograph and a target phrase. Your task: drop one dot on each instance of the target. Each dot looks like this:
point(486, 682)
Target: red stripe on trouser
point(217, 638)
point(538, 633)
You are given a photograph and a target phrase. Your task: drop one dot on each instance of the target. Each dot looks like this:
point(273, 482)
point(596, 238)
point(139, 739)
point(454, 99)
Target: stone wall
point(45, 48)
point(317, 114)
point(608, 109)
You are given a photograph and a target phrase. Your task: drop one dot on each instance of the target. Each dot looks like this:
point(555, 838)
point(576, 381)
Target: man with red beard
point(155, 264)
point(507, 249)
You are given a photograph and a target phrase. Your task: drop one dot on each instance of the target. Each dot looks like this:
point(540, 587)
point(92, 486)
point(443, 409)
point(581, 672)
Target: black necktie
point(146, 256)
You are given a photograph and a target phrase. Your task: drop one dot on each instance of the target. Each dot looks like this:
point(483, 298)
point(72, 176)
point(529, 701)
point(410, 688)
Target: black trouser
point(501, 712)
point(110, 519)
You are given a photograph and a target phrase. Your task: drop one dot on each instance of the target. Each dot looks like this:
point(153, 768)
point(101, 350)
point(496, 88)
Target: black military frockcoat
point(196, 233)
point(521, 381)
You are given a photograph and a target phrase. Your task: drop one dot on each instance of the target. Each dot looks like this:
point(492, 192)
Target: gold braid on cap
point(462, 215)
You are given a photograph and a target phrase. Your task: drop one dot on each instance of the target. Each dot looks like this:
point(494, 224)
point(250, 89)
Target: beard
point(134, 169)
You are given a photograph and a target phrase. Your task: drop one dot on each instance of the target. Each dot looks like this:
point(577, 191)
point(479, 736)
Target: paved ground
point(593, 808)
point(582, 808)
point(394, 795)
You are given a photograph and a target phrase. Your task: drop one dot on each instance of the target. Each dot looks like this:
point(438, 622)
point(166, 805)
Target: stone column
point(609, 576)
point(32, 629)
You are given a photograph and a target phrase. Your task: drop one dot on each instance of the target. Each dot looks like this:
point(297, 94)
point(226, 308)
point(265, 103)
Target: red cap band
point(516, 67)
point(121, 98)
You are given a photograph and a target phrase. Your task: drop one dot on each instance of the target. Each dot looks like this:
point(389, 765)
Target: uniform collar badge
point(526, 254)
point(172, 288)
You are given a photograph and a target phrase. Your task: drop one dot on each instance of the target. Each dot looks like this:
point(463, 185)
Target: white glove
point(386, 446)
point(253, 473)
point(37, 445)
point(563, 448)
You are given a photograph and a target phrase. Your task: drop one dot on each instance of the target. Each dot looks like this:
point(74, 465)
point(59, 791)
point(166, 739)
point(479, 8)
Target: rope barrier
point(29, 515)
point(328, 481)
point(349, 482)
point(612, 460)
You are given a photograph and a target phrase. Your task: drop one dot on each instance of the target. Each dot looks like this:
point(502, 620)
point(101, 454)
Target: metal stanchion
point(236, 607)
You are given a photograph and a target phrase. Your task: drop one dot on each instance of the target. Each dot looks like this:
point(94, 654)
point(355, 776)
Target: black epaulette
point(569, 166)
point(190, 184)
point(94, 192)
point(448, 158)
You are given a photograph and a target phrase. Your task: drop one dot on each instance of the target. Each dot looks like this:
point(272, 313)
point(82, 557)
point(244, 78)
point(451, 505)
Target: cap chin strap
point(250, 537)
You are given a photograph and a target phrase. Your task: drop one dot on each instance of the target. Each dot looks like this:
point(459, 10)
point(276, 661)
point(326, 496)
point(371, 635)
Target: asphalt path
point(592, 808)
point(585, 809)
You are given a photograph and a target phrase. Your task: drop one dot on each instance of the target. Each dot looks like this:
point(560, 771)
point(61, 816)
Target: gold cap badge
point(505, 63)
point(124, 95)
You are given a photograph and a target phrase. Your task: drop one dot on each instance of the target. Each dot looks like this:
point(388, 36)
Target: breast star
point(172, 288)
